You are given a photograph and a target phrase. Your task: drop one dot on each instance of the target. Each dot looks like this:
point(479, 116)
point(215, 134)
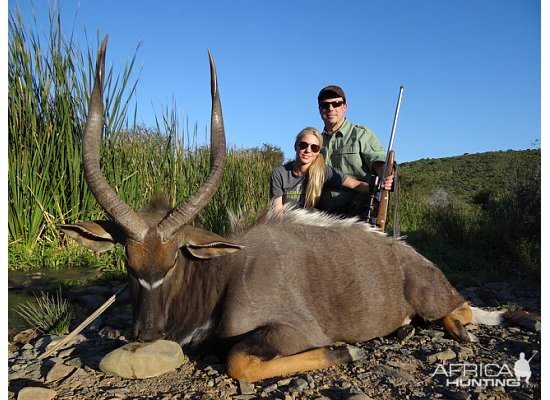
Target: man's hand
point(388, 183)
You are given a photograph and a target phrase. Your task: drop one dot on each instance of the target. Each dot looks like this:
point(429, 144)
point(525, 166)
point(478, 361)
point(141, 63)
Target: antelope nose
point(144, 333)
point(149, 335)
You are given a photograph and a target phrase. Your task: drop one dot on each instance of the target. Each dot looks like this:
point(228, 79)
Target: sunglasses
point(314, 147)
point(325, 105)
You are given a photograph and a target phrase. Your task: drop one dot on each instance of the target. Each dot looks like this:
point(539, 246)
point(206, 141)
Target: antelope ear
point(99, 236)
point(203, 244)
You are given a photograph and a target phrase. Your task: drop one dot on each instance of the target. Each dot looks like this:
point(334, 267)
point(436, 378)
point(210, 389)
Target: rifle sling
point(396, 227)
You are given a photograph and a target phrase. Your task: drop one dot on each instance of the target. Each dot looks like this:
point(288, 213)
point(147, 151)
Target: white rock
point(143, 360)
point(36, 393)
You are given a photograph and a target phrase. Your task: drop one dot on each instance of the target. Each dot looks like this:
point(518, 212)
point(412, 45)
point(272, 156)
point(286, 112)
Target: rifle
point(378, 209)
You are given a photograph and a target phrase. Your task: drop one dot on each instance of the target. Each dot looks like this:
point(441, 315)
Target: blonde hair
point(316, 171)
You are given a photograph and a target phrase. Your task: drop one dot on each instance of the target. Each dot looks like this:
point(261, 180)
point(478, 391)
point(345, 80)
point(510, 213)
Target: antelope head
point(154, 239)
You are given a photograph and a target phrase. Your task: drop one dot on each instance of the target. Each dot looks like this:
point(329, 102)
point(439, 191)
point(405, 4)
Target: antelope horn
point(186, 211)
point(132, 223)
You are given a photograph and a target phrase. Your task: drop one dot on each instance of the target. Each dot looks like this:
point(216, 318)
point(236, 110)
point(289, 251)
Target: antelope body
point(281, 292)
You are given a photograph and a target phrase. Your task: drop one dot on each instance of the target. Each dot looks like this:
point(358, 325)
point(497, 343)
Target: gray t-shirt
point(292, 187)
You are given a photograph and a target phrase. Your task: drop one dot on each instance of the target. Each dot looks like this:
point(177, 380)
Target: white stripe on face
point(148, 286)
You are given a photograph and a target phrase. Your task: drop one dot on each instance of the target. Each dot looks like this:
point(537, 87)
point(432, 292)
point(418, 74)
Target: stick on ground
point(84, 324)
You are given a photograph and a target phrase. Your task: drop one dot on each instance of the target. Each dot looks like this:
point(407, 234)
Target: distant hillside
point(478, 216)
point(470, 175)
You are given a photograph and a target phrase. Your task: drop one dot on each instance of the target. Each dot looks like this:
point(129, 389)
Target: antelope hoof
point(456, 329)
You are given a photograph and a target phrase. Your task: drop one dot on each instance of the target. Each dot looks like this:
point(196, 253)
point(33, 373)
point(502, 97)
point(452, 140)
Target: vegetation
point(476, 215)
point(48, 314)
point(49, 86)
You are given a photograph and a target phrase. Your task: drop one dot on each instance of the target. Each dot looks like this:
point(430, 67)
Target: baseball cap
point(330, 92)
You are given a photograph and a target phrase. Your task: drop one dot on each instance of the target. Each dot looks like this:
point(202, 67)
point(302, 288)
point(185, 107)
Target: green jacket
point(352, 150)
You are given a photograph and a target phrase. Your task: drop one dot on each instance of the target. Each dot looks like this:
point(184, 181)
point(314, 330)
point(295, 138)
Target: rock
point(27, 355)
point(359, 396)
point(246, 388)
point(298, 385)
point(433, 333)
point(464, 353)
point(441, 356)
point(405, 333)
point(143, 360)
point(27, 346)
point(25, 336)
point(269, 389)
point(12, 348)
point(56, 339)
point(59, 371)
point(36, 393)
point(109, 333)
point(66, 353)
point(284, 382)
point(530, 324)
point(42, 343)
point(452, 395)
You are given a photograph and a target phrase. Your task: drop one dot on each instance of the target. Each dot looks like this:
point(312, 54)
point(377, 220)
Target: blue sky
point(470, 68)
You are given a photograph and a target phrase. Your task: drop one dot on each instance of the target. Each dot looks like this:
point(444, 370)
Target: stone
point(36, 393)
point(58, 372)
point(269, 389)
point(441, 356)
point(25, 336)
point(530, 324)
point(434, 334)
point(12, 348)
point(56, 339)
point(246, 388)
point(359, 396)
point(42, 343)
point(284, 382)
point(464, 353)
point(405, 333)
point(298, 385)
point(27, 346)
point(143, 360)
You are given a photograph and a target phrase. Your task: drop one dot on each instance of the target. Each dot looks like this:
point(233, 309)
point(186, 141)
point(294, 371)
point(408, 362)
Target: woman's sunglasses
point(325, 105)
point(314, 147)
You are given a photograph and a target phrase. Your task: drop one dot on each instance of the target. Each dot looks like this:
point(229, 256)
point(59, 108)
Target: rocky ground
point(408, 365)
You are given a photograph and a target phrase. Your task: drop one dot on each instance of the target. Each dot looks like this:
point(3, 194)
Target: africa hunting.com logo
point(467, 374)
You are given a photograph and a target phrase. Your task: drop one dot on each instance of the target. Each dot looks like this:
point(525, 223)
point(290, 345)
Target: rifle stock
point(385, 194)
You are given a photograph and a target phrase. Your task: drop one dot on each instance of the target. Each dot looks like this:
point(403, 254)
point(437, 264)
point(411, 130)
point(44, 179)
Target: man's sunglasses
point(314, 147)
point(325, 105)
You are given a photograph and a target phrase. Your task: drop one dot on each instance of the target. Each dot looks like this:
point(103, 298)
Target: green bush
point(48, 314)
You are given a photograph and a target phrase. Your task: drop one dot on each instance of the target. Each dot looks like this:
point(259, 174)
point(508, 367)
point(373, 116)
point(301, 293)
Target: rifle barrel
point(394, 125)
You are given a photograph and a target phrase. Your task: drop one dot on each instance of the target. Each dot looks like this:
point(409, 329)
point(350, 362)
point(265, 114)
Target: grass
point(49, 314)
point(49, 87)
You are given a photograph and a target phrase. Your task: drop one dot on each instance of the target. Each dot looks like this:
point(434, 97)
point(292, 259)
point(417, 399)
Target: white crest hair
point(303, 216)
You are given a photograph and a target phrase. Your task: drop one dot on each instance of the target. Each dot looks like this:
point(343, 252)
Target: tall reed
point(49, 86)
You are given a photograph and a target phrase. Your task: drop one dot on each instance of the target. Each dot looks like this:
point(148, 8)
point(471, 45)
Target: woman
point(301, 181)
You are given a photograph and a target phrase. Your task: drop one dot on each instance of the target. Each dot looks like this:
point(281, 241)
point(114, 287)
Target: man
point(352, 149)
